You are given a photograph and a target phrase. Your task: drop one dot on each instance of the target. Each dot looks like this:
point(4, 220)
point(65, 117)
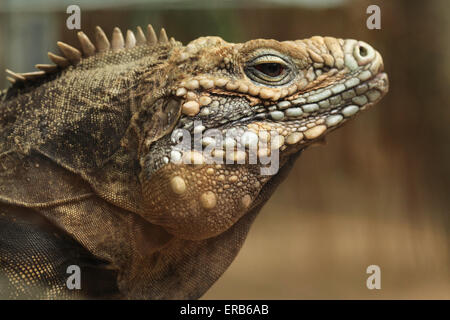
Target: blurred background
point(377, 193)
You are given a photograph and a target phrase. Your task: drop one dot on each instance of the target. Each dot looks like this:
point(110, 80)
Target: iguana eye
point(269, 70)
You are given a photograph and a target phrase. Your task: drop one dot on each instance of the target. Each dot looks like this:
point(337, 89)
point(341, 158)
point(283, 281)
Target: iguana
point(90, 173)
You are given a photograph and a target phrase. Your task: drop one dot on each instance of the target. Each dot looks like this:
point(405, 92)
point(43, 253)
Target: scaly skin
point(92, 147)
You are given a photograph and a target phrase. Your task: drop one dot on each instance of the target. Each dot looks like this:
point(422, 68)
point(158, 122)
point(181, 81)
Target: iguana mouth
point(336, 103)
point(297, 122)
point(346, 97)
point(299, 114)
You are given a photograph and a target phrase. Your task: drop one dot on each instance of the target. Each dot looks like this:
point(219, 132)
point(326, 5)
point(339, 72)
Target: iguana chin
point(89, 172)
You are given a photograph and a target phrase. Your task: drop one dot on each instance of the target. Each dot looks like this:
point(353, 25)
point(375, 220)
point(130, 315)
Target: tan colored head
point(296, 90)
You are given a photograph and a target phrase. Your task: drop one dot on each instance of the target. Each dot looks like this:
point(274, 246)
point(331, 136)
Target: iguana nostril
point(363, 53)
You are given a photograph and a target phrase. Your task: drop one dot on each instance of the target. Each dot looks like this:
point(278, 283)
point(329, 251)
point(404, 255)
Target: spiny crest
point(72, 56)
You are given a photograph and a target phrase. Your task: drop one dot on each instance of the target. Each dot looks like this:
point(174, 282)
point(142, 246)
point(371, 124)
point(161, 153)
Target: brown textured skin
point(75, 177)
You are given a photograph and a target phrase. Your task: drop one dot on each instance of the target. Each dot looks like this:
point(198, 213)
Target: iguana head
point(245, 110)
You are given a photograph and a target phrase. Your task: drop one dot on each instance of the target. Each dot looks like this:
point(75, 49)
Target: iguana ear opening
point(162, 120)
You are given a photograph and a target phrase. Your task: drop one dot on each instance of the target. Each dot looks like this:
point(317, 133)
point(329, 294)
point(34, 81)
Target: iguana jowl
point(88, 171)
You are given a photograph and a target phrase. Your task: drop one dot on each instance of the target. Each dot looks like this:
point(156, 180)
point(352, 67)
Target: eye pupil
point(270, 69)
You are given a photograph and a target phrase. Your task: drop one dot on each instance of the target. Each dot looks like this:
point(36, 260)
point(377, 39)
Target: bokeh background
point(377, 193)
